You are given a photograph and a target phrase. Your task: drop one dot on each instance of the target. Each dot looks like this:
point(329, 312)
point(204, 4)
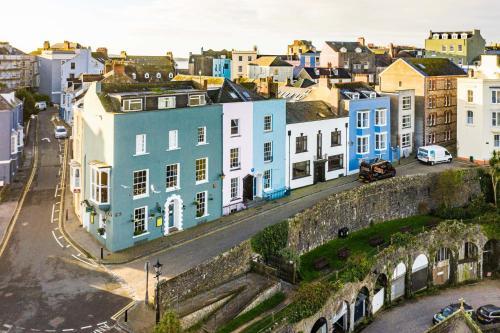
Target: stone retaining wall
point(391, 199)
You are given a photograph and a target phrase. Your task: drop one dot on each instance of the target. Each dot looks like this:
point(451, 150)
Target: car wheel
point(432, 163)
point(449, 160)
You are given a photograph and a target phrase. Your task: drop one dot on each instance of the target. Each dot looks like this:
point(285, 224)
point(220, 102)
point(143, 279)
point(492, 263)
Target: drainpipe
point(289, 161)
point(346, 149)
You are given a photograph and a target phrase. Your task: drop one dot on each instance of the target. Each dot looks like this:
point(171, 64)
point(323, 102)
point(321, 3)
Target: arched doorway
point(379, 293)
point(467, 267)
point(341, 319)
point(320, 326)
point(173, 214)
point(441, 271)
point(361, 305)
point(398, 281)
point(419, 273)
point(491, 257)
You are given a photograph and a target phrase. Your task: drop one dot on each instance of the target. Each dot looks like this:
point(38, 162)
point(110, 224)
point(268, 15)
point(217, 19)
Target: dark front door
point(319, 172)
point(248, 188)
point(171, 221)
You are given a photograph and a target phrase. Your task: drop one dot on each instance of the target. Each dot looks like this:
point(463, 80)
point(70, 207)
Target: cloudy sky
point(155, 26)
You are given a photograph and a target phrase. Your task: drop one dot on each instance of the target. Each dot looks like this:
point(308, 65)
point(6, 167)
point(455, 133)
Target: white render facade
point(240, 61)
point(278, 73)
point(478, 112)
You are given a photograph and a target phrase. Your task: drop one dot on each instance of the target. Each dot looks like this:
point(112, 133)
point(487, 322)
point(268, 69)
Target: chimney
point(66, 45)
point(108, 67)
point(123, 54)
point(361, 40)
point(119, 68)
point(324, 82)
point(46, 45)
point(103, 50)
point(205, 84)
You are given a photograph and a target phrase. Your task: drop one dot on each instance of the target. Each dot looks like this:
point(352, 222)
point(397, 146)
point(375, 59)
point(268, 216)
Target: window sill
point(235, 136)
point(173, 189)
point(267, 190)
point(235, 169)
point(142, 154)
point(336, 145)
point(382, 149)
point(173, 149)
point(300, 152)
point(268, 131)
point(380, 125)
point(202, 144)
point(201, 182)
point(235, 199)
point(301, 177)
point(140, 235)
point(270, 161)
point(136, 197)
point(200, 217)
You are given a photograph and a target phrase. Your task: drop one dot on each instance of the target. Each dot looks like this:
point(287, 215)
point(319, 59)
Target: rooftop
point(331, 73)
point(301, 112)
point(356, 90)
point(349, 46)
point(271, 61)
point(231, 92)
point(434, 66)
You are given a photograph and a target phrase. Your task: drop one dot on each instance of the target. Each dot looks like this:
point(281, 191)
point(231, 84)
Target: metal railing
point(281, 193)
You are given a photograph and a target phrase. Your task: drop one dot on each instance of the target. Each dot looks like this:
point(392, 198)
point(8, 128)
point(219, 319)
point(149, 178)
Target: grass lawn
point(239, 321)
point(358, 243)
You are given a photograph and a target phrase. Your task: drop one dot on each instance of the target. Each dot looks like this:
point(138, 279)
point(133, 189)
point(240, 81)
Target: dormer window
point(358, 50)
point(454, 36)
point(146, 75)
point(158, 75)
point(343, 50)
point(134, 76)
point(435, 36)
point(464, 35)
point(352, 95)
point(132, 105)
point(197, 100)
point(444, 36)
point(373, 95)
point(166, 102)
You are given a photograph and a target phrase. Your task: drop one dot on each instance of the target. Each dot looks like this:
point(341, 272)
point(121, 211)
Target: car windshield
point(60, 129)
point(447, 311)
point(422, 151)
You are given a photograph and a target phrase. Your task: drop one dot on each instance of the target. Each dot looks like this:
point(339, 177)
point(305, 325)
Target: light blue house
point(151, 161)
point(222, 67)
point(369, 123)
point(309, 59)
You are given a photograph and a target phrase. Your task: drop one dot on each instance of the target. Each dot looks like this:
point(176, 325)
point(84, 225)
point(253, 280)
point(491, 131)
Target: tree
point(495, 173)
point(28, 102)
point(170, 323)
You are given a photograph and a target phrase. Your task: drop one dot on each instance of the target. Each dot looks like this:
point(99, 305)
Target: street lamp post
point(157, 268)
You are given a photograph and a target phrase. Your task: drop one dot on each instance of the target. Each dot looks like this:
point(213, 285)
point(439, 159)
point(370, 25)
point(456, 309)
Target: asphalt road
point(46, 284)
point(416, 316)
point(187, 255)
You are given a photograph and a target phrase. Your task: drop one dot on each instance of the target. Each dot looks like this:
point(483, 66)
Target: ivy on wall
point(271, 240)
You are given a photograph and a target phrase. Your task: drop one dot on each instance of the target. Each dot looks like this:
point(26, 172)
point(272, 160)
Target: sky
point(153, 27)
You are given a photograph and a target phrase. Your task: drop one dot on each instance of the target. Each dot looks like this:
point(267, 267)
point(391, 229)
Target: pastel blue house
point(151, 161)
point(369, 123)
point(309, 59)
point(222, 67)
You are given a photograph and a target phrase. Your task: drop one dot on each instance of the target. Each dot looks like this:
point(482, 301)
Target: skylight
point(233, 95)
point(421, 66)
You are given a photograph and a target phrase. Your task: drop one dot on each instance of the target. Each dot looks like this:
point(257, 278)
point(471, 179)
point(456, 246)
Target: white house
point(403, 120)
point(270, 66)
point(316, 143)
point(75, 92)
point(478, 111)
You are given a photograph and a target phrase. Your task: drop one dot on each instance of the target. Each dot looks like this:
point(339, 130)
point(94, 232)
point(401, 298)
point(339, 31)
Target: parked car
point(488, 314)
point(41, 105)
point(434, 154)
point(449, 310)
point(60, 132)
point(376, 169)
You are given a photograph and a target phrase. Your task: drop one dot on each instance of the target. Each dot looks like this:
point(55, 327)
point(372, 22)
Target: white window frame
point(495, 96)
point(469, 119)
point(268, 125)
point(127, 103)
point(234, 188)
point(495, 119)
point(173, 140)
point(380, 114)
point(96, 185)
point(177, 185)
point(267, 180)
point(234, 158)
point(470, 96)
point(496, 141)
point(140, 145)
point(406, 121)
point(205, 179)
point(205, 204)
point(237, 127)
point(197, 100)
point(363, 117)
point(406, 103)
point(269, 152)
point(141, 195)
point(146, 219)
point(13, 143)
point(406, 140)
point(166, 102)
point(75, 178)
point(201, 135)
point(358, 145)
point(381, 145)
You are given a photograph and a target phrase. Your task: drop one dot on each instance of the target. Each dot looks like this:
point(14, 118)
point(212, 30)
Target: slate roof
point(363, 89)
point(303, 83)
point(231, 92)
point(271, 61)
point(350, 46)
point(331, 73)
point(434, 66)
point(101, 57)
point(302, 112)
point(12, 51)
point(3, 104)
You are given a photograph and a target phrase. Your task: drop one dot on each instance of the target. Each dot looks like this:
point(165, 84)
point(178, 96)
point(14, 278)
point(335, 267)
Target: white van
point(41, 105)
point(434, 154)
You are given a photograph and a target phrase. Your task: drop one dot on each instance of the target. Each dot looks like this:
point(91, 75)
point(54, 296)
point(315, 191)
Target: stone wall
point(394, 198)
point(206, 276)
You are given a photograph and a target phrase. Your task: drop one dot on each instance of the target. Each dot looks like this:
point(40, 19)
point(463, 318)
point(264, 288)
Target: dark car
point(488, 314)
point(449, 310)
point(376, 169)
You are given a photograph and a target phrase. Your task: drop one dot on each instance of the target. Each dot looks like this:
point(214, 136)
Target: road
point(45, 283)
point(187, 255)
point(416, 316)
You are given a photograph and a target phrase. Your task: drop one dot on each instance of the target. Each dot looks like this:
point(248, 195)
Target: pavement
point(47, 284)
point(416, 315)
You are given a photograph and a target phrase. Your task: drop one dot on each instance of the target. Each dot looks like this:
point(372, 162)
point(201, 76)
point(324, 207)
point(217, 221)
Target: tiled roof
point(301, 112)
point(271, 61)
point(231, 92)
point(331, 73)
point(434, 66)
point(350, 46)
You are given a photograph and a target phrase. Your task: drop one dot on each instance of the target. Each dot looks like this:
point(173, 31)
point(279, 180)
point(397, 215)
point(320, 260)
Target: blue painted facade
point(277, 137)
point(308, 59)
point(370, 105)
point(222, 68)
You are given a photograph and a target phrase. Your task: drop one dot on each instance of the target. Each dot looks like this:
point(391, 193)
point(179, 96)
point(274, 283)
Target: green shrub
point(308, 300)
point(169, 323)
point(356, 269)
point(28, 102)
point(290, 255)
point(270, 241)
point(447, 187)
